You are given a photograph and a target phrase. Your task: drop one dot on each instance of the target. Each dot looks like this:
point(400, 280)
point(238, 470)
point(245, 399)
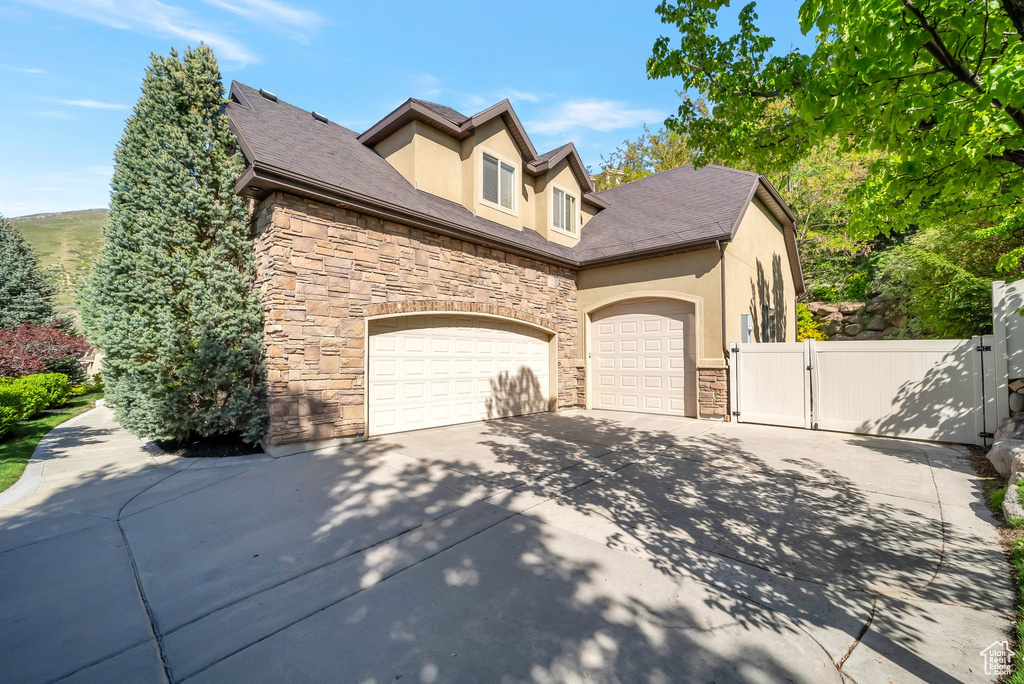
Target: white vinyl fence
point(936, 390)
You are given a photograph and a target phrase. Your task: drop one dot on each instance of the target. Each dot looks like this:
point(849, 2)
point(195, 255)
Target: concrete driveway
point(582, 546)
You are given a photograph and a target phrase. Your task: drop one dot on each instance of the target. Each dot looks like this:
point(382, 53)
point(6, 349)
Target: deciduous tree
point(935, 89)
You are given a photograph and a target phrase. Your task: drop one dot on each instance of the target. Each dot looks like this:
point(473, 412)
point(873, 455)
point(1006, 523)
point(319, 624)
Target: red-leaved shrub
point(40, 348)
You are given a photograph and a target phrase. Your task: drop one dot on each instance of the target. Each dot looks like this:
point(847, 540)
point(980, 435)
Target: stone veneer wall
point(713, 392)
point(322, 270)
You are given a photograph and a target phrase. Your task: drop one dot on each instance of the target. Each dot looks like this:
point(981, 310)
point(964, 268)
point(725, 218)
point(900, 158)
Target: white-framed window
point(563, 215)
point(499, 182)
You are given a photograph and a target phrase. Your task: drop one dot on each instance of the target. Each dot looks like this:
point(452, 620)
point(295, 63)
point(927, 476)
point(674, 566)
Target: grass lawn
point(17, 446)
point(66, 242)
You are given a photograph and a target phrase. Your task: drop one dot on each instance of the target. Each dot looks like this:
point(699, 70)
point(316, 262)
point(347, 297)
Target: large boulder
point(826, 310)
point(850, 307)
point(877, 323)
point(869, 335)
point(878, 305)
point(1016, 402)
point(833, 317)
point(853, 329)
point(1012, 509)
point(1010, 428)
point(1004, 453)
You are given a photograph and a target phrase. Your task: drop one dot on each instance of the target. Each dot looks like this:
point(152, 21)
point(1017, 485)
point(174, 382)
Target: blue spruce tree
point(170, 299)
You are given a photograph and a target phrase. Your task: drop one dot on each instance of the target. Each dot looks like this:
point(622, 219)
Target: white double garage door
point(439, 369)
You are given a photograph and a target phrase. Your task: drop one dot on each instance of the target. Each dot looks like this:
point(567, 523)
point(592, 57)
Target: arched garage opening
point(642, 356)
point(433, 369)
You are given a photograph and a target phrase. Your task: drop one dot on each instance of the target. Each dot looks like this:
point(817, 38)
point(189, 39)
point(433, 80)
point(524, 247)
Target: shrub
point(858, 287)
point(42, 347)
point(937, 295)
point(31, 394)
point(806, 327)
point(55, 385)
point(9, 416)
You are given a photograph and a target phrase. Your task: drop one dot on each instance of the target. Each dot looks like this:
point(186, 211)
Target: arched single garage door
point(432, 370)
point(642, 357)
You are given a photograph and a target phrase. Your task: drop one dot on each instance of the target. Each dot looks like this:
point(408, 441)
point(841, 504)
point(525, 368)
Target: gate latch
point(736, 413)
point(986, 435)
point(983, 347)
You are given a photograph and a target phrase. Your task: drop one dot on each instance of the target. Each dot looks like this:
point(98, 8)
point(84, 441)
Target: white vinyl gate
point(935, 390)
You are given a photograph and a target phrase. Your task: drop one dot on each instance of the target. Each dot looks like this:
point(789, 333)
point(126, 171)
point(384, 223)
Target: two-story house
point(437, 269)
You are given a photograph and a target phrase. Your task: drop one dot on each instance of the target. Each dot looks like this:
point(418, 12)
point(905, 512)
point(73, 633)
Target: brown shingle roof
point(681, 206)
point(456, 117)
point(670, 211)
point(286, 143)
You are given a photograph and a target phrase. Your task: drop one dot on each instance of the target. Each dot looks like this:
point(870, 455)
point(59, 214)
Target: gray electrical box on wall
point(746, 328)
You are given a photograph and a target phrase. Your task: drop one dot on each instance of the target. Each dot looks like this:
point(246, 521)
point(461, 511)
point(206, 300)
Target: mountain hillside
point(66, 241)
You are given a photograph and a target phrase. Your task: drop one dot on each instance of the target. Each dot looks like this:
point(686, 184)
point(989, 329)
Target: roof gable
point(459, 126)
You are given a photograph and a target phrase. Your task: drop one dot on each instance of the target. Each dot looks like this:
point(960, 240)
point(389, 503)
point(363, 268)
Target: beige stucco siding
point(398, 149)
point(694, 276)
point(493, 138)
point(562, 177)
point(438, 163)
point(427, 158)
point(758, 274)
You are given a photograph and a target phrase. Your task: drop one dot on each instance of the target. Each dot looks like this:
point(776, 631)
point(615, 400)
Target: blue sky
point(70, 71)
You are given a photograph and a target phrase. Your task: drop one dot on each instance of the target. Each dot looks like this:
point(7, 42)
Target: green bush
point(56, 386)
point(8, 417)
point(806, 327)
point(858, 287)
point(29, 395)
point(939, 298)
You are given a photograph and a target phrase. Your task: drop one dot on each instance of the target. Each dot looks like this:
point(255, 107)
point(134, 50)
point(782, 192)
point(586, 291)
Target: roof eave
point(579, 170)
point(259, 180)
point(409, 111)
point(653, 252)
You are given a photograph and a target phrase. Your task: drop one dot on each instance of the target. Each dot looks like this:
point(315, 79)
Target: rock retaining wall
point(856, 320)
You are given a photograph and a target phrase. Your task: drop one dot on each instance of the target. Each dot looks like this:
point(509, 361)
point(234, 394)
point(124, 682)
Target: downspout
point(721, 269)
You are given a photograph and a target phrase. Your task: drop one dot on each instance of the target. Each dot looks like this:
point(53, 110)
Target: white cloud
point(49, 114)
point(22, 70)
point(427, 85)
point(151, 17)
point(93, 104)
point(524, 96)
point(268, 11)
point(597, 115)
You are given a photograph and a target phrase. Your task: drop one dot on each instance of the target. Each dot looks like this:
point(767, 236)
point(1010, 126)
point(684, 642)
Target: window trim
point(514, 211)
point(575, 233)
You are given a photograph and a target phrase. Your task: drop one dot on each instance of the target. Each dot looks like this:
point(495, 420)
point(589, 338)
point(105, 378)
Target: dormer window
point(564, 211)
point(499, 181)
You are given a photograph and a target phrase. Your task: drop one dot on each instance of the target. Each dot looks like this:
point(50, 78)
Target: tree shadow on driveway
point(657, 560)
point(787, 533)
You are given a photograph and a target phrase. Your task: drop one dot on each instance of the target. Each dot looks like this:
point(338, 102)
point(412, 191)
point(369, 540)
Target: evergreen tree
point(170, 298)
point(26, 293)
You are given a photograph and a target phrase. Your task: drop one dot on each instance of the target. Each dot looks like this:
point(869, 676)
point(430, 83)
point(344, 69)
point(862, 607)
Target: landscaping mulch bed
point(210, 447)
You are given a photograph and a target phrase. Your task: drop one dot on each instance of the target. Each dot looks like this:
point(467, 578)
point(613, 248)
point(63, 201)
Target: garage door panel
point(427, 371)
point(640, 357)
